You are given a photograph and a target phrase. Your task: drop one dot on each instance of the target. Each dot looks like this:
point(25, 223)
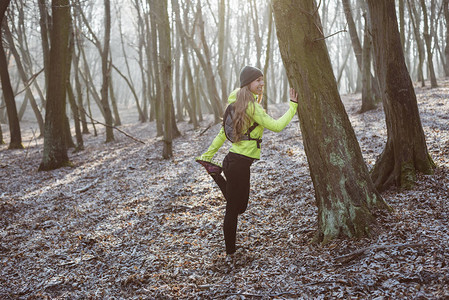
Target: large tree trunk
point(406, 151)
point(55, 149)
point(14, 125)
point(344, 191)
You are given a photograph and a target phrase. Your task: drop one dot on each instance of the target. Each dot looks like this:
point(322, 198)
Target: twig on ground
point(81, 190)
point(256, 295)
point(348, 257)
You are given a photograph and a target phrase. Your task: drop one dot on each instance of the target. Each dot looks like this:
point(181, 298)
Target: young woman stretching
point(246, 149)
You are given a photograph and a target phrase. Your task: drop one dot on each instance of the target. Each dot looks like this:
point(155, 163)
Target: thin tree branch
point(113, 127)
point(323, 38)
point(29, 82)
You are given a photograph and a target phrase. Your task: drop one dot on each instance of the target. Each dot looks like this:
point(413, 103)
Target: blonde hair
point(241, 120)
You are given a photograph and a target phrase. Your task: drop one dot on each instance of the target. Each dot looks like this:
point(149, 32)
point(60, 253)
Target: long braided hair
point(241, 120)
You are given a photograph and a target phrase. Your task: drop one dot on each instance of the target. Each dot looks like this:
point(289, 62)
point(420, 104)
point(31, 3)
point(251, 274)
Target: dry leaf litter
point(126, 224)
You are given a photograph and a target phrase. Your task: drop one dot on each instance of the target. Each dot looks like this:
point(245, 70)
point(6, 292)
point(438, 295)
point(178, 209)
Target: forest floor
point(124, 223)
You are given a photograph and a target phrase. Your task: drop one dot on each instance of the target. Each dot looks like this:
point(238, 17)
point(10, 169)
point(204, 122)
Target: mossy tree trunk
point(406, 151)
point(344, 191)
point(55, 147)
point(13, 119)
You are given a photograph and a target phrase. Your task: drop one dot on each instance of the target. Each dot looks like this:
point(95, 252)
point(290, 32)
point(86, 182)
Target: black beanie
point(248, 75)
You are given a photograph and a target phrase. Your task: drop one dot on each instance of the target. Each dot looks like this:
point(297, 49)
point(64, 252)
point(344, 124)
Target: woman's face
point(256, 87)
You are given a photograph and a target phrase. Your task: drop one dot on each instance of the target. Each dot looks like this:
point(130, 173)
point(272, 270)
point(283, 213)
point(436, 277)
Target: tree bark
point(55, 149)
point(267, 55)
point(105, 70)
point(446, 48)
point(152, 33)
point(406, 151)
point(368, 101)
point(344, 192)
point(428, 43)
point(14, 125)
point(166, 75)
point(414, 17)
point(222, 46)
point(187, 70)
point(355, 41)
point(44, 29)
point(24, 77)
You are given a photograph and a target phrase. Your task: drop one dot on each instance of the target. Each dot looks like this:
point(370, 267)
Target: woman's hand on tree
point(293, 95)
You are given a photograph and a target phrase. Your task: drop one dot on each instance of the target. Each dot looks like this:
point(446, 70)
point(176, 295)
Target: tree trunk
point(414, 17)
point(222, 46)
point(166, 75)
point(152, 33)
point(187, 70)
point(267, 55)
point(44, 29)
point(206, 64)
point(428, 42)
point(406, 151)
point(117, 121)
point(344, 191)
point(368, 101)
point(14, 125)
point(2, 142)
point(355, 41)
point(446, 48)
point(55, 149)
point(79, 93)
point(105, 70)
point(24, 77)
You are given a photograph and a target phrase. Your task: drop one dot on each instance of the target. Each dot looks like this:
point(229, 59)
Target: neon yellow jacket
point(257, 114)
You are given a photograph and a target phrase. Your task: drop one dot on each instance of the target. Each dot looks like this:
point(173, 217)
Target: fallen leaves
point(126, 224)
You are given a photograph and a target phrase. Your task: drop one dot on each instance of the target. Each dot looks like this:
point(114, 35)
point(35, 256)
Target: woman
point(236, 164)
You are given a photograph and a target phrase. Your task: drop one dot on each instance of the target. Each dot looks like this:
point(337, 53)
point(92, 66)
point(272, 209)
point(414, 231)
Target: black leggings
point(235, 188)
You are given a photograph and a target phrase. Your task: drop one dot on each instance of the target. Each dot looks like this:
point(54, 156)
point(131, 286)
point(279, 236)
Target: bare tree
point(106, 72)
point(406, 151)
point(344, 191)
point(446, 49)
point(55, 149)
point(428, 43)
point(14, 126)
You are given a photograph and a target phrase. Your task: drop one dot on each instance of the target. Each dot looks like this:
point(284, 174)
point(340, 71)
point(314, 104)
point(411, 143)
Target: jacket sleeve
point(213, 148)
point(262, 118)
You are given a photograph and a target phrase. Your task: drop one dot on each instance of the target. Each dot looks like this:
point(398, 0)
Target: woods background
point(117, 55)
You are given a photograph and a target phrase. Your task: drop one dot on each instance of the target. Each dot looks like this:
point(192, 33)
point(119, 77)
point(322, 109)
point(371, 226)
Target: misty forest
point(105, 104)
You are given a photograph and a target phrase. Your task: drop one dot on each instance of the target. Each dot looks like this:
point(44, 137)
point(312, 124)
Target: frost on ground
point(124, 223)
